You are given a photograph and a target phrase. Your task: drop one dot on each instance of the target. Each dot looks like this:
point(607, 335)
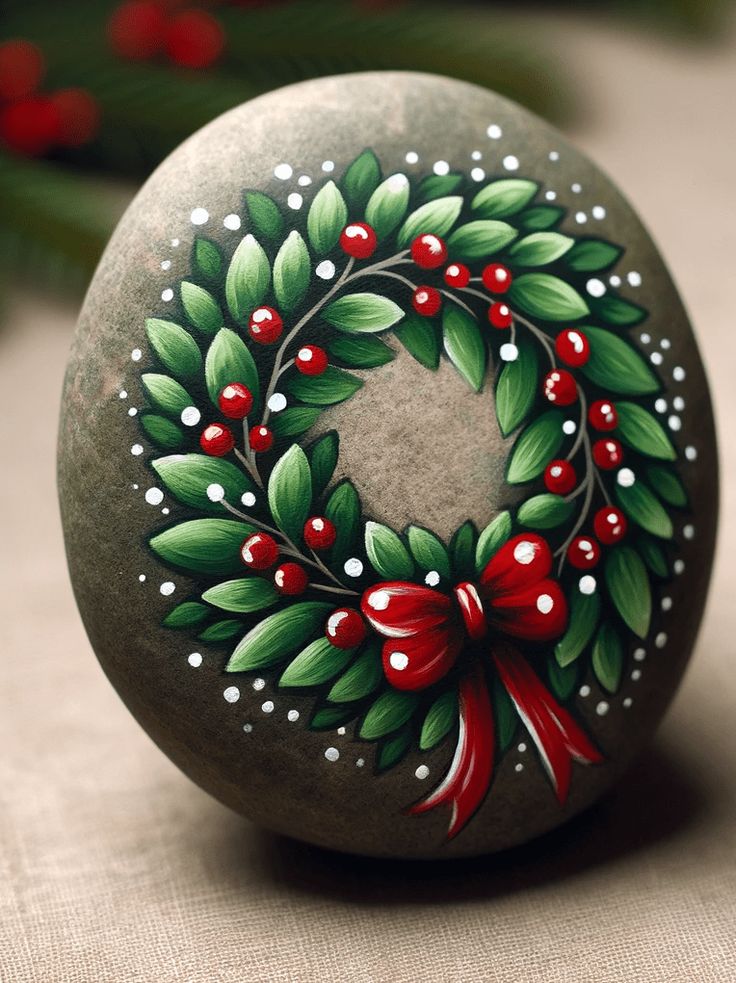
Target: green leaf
point(207, 258)
point(465, 345)
point(361, 179)
point(221, 631)
point(188, 476)
point(361, 351)
point(327, 718)
point(540, 248)
point(505, 717)
point(590, 255)
point(328, 216)
point(613, 310)
point(388, 555)
point(162, 432)
point(546, 296)
point(166, 393)
point(361, 678)
point(387, 205)
point(175, 347)
point(265, 215)
point(291, 272)
point(540, 217)
point(653, 555)
point(290, 492)
point(362, 312)
point(394, 749)
point(436, 217)
point(229, 360)
point(616, 366)
point(201, 307)
point(248, 279)
point(545, 511)
point(421, 339)
point(343, 509)
point(628, 584)
point(279, 636)
point(242, 596)
point(585, 610)
point(333, 386)
point(440, 720)
point(504, 197)
point(480, 240)
point(294, 421)
point(429, 552)
point(517, 387)
point(562, 680)
point(668, 486)
point(438, 185)
point(186, 615)
point(323, 461)
point(608, 658)
point(640, 430)
point(462, 551)
point(389, 712)
point(535, 447)
point(203, 545)
point(492, 539)
point(639, 504)
point(316, 664)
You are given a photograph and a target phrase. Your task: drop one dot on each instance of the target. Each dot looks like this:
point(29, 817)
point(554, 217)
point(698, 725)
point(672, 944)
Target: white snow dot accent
point(666, 344)
point(166, 264)
point(332, 754)
point(398, 661)
point(675, 423)
point(154, 496)
point(199, 216)
point(634, 278)
point(569, 427)
point(123, 394)
point(518, 766)
point(295, 201)
point(231, 694)
point(626, 477)
point(136, 450)
point(678, 403)
point(581, 218)
point(477, 155)
point(545, 604)
point(521, 748)
point(511, 163)
point(678, 373)
point(190, 416)
point(267, 707)
point(258, 684)
point(136, 354)
point(508, 352)
point(636, 675)
point(639, 655)
point(277, 403)
point(478, 174)
point(175, 242)
point(691, 453)
point(602, 708)
point(165, 511)
point(412, 157)
point(660, 405)
point(614, 280)
point(595, 287)
point(550, 195)
point(645, 338)
point(422, 772)
point(679, 566)
point(584, 690)
point(353, 567)
point(441, 167)
point(598, 212)
point(328, 166)
point(325, 270)
point(628, 702)
point(360, 762)
point(132, 411)
point(292, 716)
point(576, 188)
point(232, 222)
point(524, 552)
point(666, 603)
point(656, 358)
point(248, 728)
point(661, 640)
point(304, 181)
point(554, 155)
point(167, 588)
point(432, 578)
point(248, 498)
point(688, 532)
point(587, 584)
point(341, 731)
point(283, 171)
point(195, 660)
point(379, 600)
point(494, 131)
point(215, 492)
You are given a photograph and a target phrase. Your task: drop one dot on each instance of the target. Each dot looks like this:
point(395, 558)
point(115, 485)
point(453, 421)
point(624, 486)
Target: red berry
point(235, 401)
point(319, 533)
point(500, 315)
point(608, 453)
point(311, 360)
point(358, 240)
point(260, 439)
point(583, 553)
point(602, 415)
point(136, 29)
point(560, 387)
point(290, 579)
point(345, 628)
point(560, 477)
point(194, 39)
point(260, 551)
point(572, 347)
point(426, 301)
point(79, 116)
point(497, 278)
point(21, 69)
point(429, 251)
point(610, 525)
point(457, 275)
point(30, 126)
point(217, 440)
point(265, 325)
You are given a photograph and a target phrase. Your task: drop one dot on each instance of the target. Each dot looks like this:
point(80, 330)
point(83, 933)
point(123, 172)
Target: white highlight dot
point(165, 511)
point(232, 222)
point(248, 498)
point(295, 201)
point(332, 754)
point(550, 195)
point(634, 278)
point(508, 352)
point(645, 338)
point(353, 567)
point(441, 167)
point(341, 731)
point(123, 394)
point(602, 708)
point(640, 655)
point(628, 702)
point(636, 675)
point(248, 728)
point(545, 604)
point(679, 566)
point(661, 640)
point(325, 270)
point(595, 287)
point(554, 155)
point(688, 532)
point(360, 762)
point(277, 403)
point(398, 661)
point(518, 766)
point(666, 603)
point(231, 694)
point(258, 684)
point(494, 131)
point(292, 716)
point(478, 174)
point(584, 690)
point(267, 707)
point(136, 354)
point(511, 163)
point(626, 477)
point(175, 242)
point(521, 748)
point(660, 405)
point(136, 450)
point(328, 166)
point(142, 578)
point(675, 423)
point(569, 427)
point(691, 453)
point(422, 772)
point(581, 218)
point(166, 264)
point(283, 171)
point(576, 188)
point(132, 411)
point(304, 181)
point(678, 403)
point(195, 660)
point(199, 216)
point(215, 492)
point(666, 344)
point(614, 280)
point(154, 496)
point(412, 157)
point(190, 416)
point(587, 584)
point(477, 155)
point(656, 358)
point(524, 552)
point(678, 373)
point(432, 578)
point(598, 212)
point(167, 588)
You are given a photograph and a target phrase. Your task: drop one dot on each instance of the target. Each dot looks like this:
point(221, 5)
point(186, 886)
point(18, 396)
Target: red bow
point(426, 631)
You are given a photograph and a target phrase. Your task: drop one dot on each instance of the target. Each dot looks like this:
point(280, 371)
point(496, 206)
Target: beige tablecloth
point(113, 867)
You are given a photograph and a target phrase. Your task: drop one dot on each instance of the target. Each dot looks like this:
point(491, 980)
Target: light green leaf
point(386, 552)
point(343, 509)
point(668, 486)
point(363, 351)
point(210, 546)
point(640, 505)
point(505, 197)
point(162, 432)
point(614, 310)
point(278, 636)
point(441, 718)
point(590, 255)
point(628, 585)
point(265, 216)
point(438, 186)
point(333, 386)
point(201, 307)
point(328, 215)
point(361, 180)
point(540, 248)
point(585, 611)
point(465, 345)
point(616, 366)
point(517, 387)
point(492, 539)
point(362, 312)
point(323, 461)
point(640, 430)
point(316, 664)
point(480, 240)
point(436, 217)
point(362, 678)
point(188, 476)
point(248, 279)
point(608, 658)
point(429, 552)
point(421, 339)
point(535, 447)
point(545, 511)
point(546, 296)
point(242, 596)
point(166, 393)
point(387, 205)
point(540, 217)
point(290, 492)
point(221, 631)
point(229, 360)
point(186, 615)
point(291, 272)
point(207, 258)
point(390, 711)
point(175, 347)
point(295, 421)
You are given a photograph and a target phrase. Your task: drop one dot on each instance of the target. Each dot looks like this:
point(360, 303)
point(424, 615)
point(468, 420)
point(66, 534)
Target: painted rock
point(387, 468)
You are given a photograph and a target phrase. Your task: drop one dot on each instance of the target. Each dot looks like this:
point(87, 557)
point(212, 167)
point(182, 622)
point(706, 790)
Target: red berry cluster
point(144, 29)
point(34, 122)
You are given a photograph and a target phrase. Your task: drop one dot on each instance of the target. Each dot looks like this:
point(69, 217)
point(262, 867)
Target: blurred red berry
point(602, 415)
point(500, 315)
point(137, 29)
point(319, 533)
point(497, 278)
point(235, 401)
point(194, 39)
point(610, 525)
point(290, 579)
point(79, 116)
point(560, 477)
point(429, 251)
point(259, 551)
point(30, 126)
point(217, 440)
point(608, 453)
point(426, 301)
point(358, 240)
point(560, 387)
point(260, 439)
point(21, 69)
point(572, 347)
point(583, 553)
point(457, 275)
point(311, 360)
point(265, 325)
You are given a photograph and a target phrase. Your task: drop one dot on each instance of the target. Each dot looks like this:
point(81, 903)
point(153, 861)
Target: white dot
point(634, 278)
point(679, 403)
point(678, 373)
point(432, 578)
point(628, 702)
point(545, 604)
point(195, 660)
point(614, 280)
point(691, 453)
point(422, 772)
point(397, 182)
point(325, 270)
point(478, 174)
point(267, 707)
point(661, 640)
point(295, 201)
point(165, 511)
point(304, 181)
point(511, 163)
point(166, 264)
point(199, 216)
point(215, 492)
point(521, 748)
point(154, 496)
point(587, 584)
point(136, 354)
point(666, 344)
point(550, 195)
point(674, 422)
point(167, 587)
point(477, 155)
point(524, 552)
point(636, 675)
point(341, 731)
point(441, 167)
point(283, 172)
point(258, 684)
point(412, 157)
point(132, 411)
point(136, 450)
point(656, 358)
point(581, 218)
point(123, 394)
point(175, 242)
point(353, 567)
point(232, 222)
point(328, 166)
point(660, 405)
point(135, 487)
point(595, 287)
point(508, 352)
point(518, 766)
point(292, 716)
point(598, 212)
point(584, 690)
point(142, 578)
point(602, 708)
point(494, 131)
point(666, 603)
point(231, 694)
point(248, 728)
point(640, 655)
point(190, 416)
point(688, 532)
point(248, 498)
point(554, 155)
point(576, 188)
point(277, 403)
point(569, 427)
point(360, 762)
point(645, 338)
point(679, 566)
point(379, 600)
point(398, 661)
point(626, 477)
point(332, 754)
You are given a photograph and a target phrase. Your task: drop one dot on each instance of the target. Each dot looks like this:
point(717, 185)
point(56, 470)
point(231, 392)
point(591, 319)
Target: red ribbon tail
point(466, 783)
point(558, 738)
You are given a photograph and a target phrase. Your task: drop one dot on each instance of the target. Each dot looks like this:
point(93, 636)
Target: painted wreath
point(411, 640)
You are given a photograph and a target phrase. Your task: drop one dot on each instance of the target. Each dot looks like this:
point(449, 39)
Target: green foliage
point(642, 507)
point(387, 205)
point(248, 278)
point(175, 347)
point(229, 360)
point(242, 596)
point(503, 198)
point(585, 611)
point(428, 551)
point(186, 615)
point(608, 657)
point(492, 539)
point(343, 509)
point(290, 492)
point(548, 297)
point(421, 339)
point(437, 217)
point(617, 367)
point(640, 430)
point(291, 272)
point(328, 215)
point(535, 447)
point(279, 636)
point(361, 678)
point(361, 180)
point(479, 239)
point(362, 312)
point(333, 386)
point(540, 248)
point(387, 553)
point(363, 351)
point(465, 345)
point(188, 476)
point(545, 511)
point(517, 386)
point(462, 551)
point(322, 457)
point(206, 546)
point(389, 712)
point(201, 307)
point(440, 720)
point(628, 584)
point(316, 664)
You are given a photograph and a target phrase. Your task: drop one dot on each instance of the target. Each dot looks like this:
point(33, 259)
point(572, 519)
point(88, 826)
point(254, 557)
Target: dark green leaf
point(294, 421)
point(265, 215)
point(328, 215)
point(640, 505)
point(438, 185)
point(546, 296)
point(440, 720)
point(363, 351)
point(562, 679)
point(343, 509)
point(393, 750)
point(323, 461)
point(333, 386)
point(186, 615)
point(279, 636)
point(628, 584)
point(653, 555)
point(429, 552)
point(387, 205)
point(505, 717)
point(162, 432)
point(318, 662)
point(203, 545)
point(545, 511)
point(421, 339)
point(248, 279)
point(462, 550)
point(188, 476)
point(290, 492)
point(585, 610)
point(517, 387)
point(362, 678)
point(608, 658)
point(436, 217)
point(389, 712)
point(535, 447)
point(362, 312)
point(540, 248)
point(388, 555)
point(668, 486)
point(465, 345)
point(361, 180)
point(221, 631)
point(590, 255)
point(617, 367)
point(640, 430)
point(201, 307)
point(540, 217)
point(613, 310)
point(480, 240)
point(504, 197)
point(291, 272)
point(166, 393)
point(492, 539)
point(175, 347)
point(207, 258)
point(242, 596)
point(327, 718)
point(229, 360)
